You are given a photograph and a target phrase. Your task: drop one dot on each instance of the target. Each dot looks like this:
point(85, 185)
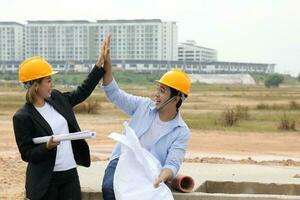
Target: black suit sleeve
point(29, 151)
point(86, 88)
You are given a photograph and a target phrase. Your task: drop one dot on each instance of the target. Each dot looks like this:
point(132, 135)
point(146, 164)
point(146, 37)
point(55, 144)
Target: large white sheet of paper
point(136, 170)
point(63, 137)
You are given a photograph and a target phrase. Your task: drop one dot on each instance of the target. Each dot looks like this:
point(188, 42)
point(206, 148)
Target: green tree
point(273, 80)
point(298, 77)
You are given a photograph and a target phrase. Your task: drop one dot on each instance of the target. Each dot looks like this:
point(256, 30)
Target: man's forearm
point(107, 78)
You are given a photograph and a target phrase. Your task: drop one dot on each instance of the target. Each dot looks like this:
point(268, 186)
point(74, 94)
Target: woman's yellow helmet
point(34, 68)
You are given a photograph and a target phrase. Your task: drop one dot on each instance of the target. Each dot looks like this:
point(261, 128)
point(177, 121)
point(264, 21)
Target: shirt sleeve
point(126, 102)
point(176, 152)
point(29, 151)
point(83, 91)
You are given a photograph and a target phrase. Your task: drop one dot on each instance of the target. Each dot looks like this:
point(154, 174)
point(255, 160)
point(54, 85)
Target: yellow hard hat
point(176, 79)
point(34, 68)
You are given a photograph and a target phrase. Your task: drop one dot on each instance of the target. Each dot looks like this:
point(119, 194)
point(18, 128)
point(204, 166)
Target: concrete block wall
point(95, 195)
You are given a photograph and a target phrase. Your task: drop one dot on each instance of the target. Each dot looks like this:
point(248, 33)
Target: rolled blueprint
point(63, 137)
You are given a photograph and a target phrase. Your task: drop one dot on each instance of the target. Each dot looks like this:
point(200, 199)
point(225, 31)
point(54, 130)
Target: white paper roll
point(64, 137)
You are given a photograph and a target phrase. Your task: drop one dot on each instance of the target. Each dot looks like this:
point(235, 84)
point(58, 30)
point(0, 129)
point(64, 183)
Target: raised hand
point(107, 78)
point(107, 48)
point(100, 61)
point(104, 52)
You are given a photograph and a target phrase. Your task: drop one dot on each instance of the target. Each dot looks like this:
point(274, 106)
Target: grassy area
point(262, 122)
point(287, 79)
point(202, 109)
point(123, 77)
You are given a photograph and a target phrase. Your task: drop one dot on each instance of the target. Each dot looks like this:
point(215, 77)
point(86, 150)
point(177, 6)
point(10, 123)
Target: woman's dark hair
point(174, 92)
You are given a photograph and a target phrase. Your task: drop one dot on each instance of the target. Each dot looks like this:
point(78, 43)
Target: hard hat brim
point(50, 74)
point(168, 85)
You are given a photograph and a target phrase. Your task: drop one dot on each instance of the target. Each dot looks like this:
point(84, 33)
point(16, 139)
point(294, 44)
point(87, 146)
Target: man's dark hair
point(174, 92)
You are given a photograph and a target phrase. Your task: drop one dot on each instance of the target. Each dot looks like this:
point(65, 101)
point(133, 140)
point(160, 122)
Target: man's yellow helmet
point(176, 79)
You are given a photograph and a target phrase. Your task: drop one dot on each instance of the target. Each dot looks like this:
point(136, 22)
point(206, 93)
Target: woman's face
point(45, 87)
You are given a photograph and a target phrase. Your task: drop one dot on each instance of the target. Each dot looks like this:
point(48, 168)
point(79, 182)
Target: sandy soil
point(205, 146)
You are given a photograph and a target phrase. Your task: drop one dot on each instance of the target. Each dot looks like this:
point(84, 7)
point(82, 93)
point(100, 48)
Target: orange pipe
point(183, 183)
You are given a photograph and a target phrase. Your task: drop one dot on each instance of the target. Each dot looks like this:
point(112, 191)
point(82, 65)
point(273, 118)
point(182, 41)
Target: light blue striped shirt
point(172, 143)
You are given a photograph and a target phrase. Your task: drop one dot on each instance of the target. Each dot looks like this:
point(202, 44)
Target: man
point(157, 124)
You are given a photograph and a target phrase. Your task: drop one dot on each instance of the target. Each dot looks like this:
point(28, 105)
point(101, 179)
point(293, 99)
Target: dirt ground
point(205, 146)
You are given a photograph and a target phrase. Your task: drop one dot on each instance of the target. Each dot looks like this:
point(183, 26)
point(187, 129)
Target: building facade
point(190, 51)
point(194, 67)
point(11, 45)
point(139, 45)
point(137, 39)
point(58, 41)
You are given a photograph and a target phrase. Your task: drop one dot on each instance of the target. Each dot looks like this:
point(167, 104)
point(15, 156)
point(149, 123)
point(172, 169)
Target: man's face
point(161, 95)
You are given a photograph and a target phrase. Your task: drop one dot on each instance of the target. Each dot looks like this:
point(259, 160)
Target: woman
point(51, 171)
point(158, 124)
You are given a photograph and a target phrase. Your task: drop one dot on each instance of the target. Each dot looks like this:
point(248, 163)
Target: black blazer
point(28, 123)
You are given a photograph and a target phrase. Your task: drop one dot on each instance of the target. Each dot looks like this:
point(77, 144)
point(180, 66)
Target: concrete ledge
point(205, 196)
point(238, 177)
point(96, 195)
point(230, 187)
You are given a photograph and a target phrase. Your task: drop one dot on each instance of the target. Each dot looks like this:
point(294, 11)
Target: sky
point(260, 31)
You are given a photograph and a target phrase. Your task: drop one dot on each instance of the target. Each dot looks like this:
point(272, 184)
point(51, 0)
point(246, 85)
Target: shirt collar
point(177, 121)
